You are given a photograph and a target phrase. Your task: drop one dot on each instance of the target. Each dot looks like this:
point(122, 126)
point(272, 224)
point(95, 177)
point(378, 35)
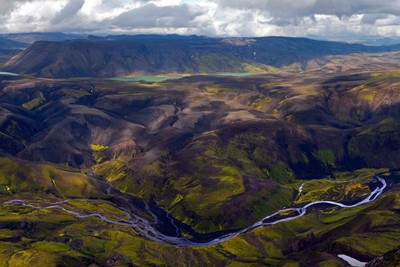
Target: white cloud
point(70, 10)
point(153, 16)
point(32, 15)
point(323, 18)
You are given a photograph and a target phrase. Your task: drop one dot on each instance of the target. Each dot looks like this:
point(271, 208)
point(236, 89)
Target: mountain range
point(154, 54)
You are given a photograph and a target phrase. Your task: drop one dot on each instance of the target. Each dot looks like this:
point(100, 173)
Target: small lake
point(160, 78)
point(8, 73)
point(234, 74)
point(152, 79)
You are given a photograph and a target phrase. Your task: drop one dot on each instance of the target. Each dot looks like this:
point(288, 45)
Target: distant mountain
point(9, 48)
point(153, 54)
point(12, 43)
point(31, 37)
point(6, 43)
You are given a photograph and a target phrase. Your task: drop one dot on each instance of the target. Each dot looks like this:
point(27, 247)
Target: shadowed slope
point(126, 55)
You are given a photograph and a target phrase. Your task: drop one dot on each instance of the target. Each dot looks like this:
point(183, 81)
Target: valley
point(285, 165)
point(145, 228)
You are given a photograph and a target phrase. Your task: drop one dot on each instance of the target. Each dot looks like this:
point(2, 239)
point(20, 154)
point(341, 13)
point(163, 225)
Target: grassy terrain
point(30, 236)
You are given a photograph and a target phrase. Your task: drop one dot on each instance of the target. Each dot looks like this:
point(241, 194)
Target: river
point(145, 227)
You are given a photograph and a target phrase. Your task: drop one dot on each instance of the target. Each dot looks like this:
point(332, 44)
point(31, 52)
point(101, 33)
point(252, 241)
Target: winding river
point(145, 227)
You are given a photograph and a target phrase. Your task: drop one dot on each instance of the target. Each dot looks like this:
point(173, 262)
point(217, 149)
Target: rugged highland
point(110, 172)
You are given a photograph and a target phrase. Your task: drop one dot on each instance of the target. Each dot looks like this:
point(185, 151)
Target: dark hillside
point(154, 54)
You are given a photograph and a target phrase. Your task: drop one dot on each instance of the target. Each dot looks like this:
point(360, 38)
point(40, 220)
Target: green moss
point(225, 183)
point(281, 173)
point(51, 247)
point(371, 244)
point(18, 176)
point(176, 200)
point(268, 204)
point(344, 188)
point(212, 89)
point(112, 170)
point(33, 258)
point(97, 152)
point(34, 103)
point(240, 248)
point(261, 104)
point(97, 147)
point(326, 157)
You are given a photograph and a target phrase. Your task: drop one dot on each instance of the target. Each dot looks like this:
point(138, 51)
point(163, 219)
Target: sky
point(329, 19)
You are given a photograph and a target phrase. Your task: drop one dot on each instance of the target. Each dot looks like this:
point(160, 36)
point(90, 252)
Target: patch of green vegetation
point(51, 246)
point(261, 103)
point(273, 201)
point(326, 157)
point(176, 200)
point(33, 258)
point(97, 152)
point(208, 196)
point(339, 187)
point(365, 92)
point(75, 93)
point(212, 89)
point(332, 190)
point(360, 175)
point(112, 170)
point(97, 147)
point(382, 76)
point(75, 184)
point(36, 102)
point(259, 68)
point(18, 176)
point(371, 244)
point(281, 173)
point(225, 183)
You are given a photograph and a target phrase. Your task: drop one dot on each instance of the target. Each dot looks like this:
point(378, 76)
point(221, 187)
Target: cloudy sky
point(319, 18)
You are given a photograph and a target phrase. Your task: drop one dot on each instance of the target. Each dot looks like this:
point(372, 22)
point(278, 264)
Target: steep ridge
point(126, 55)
